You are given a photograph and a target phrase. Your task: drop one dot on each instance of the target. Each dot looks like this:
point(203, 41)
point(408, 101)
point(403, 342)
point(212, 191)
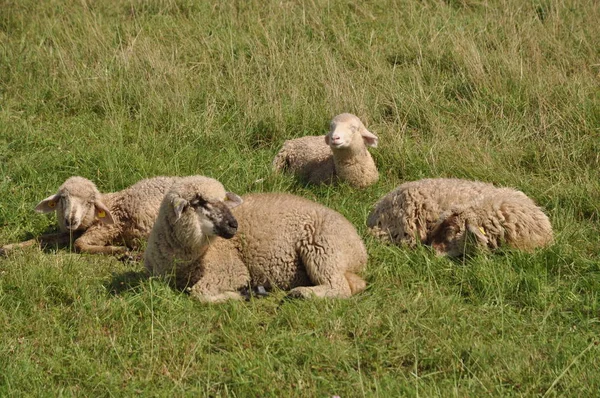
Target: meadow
point(504, 91)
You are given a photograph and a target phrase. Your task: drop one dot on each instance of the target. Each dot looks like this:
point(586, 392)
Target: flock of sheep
point(215, 244)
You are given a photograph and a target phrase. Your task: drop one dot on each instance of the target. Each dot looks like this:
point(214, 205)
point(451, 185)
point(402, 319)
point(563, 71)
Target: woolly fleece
point(318, 159)
point(282, 241)
point(410, 213)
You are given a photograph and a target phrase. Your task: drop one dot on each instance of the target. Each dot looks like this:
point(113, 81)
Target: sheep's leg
point(223, 275)
point(97, 239)
point(323, 268)
point(55, 239)
point(336, 287)
point(211, 297)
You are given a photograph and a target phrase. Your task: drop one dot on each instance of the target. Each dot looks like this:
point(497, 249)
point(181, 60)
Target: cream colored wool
point(341, 155)
point(503, 217)
point(410, 213)
point(110, 223)
point(282, 241)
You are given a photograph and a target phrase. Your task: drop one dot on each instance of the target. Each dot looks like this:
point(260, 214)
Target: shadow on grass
point(125, 282)
point(49, 242)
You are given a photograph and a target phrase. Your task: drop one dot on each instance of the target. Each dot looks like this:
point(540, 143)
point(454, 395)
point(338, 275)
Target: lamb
point(100, 221)
point(340, 155)
point(430, 211)
point(502, 217)
point(271, 240)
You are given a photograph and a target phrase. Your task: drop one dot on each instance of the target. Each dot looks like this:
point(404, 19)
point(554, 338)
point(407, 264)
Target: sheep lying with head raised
point(340, 155)
point(429, 211)
point(100, 221)
point(271, 240)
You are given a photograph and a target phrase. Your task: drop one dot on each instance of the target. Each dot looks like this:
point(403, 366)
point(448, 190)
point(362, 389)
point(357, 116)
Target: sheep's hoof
point(301, 292)
point(258, 292)
point(261, 291)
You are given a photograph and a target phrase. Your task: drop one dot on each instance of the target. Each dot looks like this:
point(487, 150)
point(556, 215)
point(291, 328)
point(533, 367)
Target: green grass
point(115, 91)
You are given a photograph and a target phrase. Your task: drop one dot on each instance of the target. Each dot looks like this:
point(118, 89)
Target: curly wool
point(503, 217)
point(283, 241)
point(317, 159)
point(415, 212)
point(406, 215)
point(133, 212)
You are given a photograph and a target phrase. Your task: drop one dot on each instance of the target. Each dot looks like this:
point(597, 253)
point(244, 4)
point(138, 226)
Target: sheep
point(406, 215)
point(214, 244)
point(504, 217)
point(428, 211)
point(341, 155)
point(99, 221)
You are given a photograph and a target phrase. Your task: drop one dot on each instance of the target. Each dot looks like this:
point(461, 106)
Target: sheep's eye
point(198, 202)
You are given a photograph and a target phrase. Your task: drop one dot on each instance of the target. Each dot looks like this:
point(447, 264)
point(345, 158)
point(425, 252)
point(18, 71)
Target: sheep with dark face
point(110, 223)
point(271, 240)
point(340, 155)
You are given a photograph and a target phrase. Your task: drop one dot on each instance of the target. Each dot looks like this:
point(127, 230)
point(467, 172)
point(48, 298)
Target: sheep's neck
point(353, 164)
point(349, 156)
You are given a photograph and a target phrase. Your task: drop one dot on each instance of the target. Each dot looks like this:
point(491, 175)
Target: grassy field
point(503, 91)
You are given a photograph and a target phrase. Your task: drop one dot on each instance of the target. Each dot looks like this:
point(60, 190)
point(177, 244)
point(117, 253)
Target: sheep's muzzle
point(225, 224)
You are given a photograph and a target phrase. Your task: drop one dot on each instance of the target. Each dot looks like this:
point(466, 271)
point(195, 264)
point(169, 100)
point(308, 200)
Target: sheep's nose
point(69, 223)
point(232, 224)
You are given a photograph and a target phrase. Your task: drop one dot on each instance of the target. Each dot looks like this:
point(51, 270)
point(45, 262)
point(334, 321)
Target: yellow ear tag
point(482, 231)
point(51, 204)
point(101, 214)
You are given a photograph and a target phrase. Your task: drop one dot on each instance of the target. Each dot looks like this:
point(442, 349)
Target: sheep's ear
point(232, 200)
point(47, 205)
point(179, 204)
point(102, 213)
point(369, 138)
point(446, 221)
point(476, 231)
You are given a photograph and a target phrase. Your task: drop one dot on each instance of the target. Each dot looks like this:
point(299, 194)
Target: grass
point(501, 91)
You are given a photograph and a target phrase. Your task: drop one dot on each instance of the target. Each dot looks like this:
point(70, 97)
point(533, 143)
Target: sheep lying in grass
point(502, 217)
point(271, 240)
point(99, 221)
point(340, 155)
point(430, 211)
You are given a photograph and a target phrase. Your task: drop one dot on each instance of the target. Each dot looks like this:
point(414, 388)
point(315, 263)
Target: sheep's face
point(455, 236)
point(215, 218)
point(346, 130)
point(77, 204)
point(212, 217)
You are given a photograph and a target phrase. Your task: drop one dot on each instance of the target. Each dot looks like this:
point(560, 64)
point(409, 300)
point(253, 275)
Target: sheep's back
point(309, 158)
point(414, 207)
point(137, 206)
point(275, 228)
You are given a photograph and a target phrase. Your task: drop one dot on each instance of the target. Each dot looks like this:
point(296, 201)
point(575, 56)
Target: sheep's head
point(77, 204)
point(456, 235)
point(347, 131)
point(201, 204)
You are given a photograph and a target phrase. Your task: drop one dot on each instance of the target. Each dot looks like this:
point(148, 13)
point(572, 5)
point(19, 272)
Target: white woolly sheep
point(427, 210)
point(340, 155)
point(503, 216)
point(282, 241)
point(98, 221)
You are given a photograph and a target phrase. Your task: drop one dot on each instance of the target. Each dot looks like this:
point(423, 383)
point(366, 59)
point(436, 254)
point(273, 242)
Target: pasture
point(502, 91)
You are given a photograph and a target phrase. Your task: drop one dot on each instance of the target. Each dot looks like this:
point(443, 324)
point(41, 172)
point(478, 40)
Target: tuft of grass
point(505, 92)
